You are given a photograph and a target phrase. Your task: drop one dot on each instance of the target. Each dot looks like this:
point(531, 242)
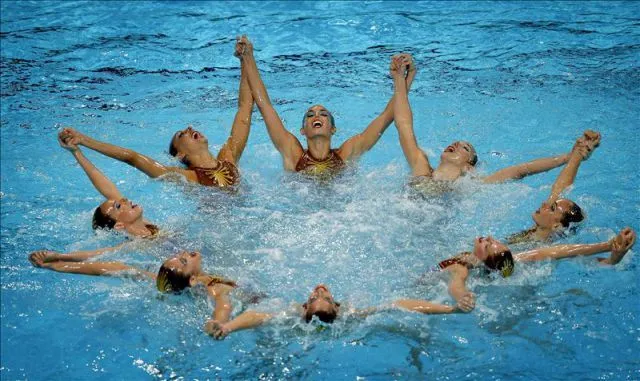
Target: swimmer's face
point(460, 153)
point(321, 300)
point(189, 141)
point(317, 122)
point(550, 215)
point(187, 263)
point(122, 211)
point(486, 247)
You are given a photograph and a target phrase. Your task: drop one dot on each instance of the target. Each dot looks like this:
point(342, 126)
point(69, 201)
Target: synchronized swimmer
point(319, 160)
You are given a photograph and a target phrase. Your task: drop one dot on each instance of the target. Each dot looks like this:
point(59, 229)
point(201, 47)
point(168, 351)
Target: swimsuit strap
point(457, 260)
point(219, 279)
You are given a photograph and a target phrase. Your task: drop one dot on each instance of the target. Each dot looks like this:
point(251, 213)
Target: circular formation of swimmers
point(555, 217)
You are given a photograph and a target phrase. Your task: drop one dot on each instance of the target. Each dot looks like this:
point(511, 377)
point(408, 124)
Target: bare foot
point(41, 258)
point(621, 244)
point(216, 329)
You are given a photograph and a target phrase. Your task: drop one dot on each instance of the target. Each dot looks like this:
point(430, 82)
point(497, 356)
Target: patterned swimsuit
point(223, 175)
point(325, 167)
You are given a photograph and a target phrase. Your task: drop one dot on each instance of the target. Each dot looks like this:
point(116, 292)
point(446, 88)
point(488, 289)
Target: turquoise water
point(518, 80)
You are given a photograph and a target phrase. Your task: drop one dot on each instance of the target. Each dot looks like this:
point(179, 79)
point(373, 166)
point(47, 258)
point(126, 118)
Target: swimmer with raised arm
point(175, 274)
point(318, 126)
point(322, 305)
point(492, 255)
point(116, 212)
point(459, 158)
point(191, 147)
point(556, 214)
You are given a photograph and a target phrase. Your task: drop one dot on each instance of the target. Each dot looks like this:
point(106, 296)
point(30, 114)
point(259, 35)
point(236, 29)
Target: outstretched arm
point(355, 146)
point(466, 304)
point(286, 143)
point(98, 179)
point(526, 169)
point(404, 122)
point(46, 256)
point(458, 287)
point(233, 148)
point(89, 268)
point(143, 163)
point(618, 247)
point(246, 320)
point(581, 151)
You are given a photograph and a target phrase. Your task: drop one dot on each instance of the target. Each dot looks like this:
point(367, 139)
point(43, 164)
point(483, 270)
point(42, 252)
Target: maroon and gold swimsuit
point(223, 175)
point(312, 166)
point(457, 260)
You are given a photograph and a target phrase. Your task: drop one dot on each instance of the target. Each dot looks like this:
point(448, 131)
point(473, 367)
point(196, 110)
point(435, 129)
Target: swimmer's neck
point(448, 172)
point(139, 228)
point(203, 160)
point(541, 234)
point(319, 147)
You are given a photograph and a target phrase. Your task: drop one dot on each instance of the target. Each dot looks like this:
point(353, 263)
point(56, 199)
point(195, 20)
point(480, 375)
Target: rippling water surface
point(518, 80)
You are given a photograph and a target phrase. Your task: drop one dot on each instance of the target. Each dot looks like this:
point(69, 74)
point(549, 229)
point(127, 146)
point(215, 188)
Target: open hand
point(41, 257)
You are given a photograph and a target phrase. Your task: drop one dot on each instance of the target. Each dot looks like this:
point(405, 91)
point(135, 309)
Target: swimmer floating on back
point(318, 125)
point(116, 212)
point(322, 305)
point(556, 214)
point(191, 147)
point(492, 255)
point(175, 274)
point(457, 159)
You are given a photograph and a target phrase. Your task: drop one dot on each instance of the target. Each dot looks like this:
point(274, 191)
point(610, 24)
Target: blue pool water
point(518, 80)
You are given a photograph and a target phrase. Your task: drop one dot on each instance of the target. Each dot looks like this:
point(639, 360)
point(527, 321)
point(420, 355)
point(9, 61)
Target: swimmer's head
point(188, 142)
point(558, 215)
point(318, 121)
point(495, 255)
point(116, 214)
point(461, 154)
point(179, 272)
point(321, 304)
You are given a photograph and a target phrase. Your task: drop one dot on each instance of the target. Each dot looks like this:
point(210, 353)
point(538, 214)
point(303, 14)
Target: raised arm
point(234, 146)
point(246, 320)
point(143, 163)
point(361, 143)
point(286, 143)
point(458, 287)
point(102, 184)
point(581, 151)
point(404, 122)
point(618, 247)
